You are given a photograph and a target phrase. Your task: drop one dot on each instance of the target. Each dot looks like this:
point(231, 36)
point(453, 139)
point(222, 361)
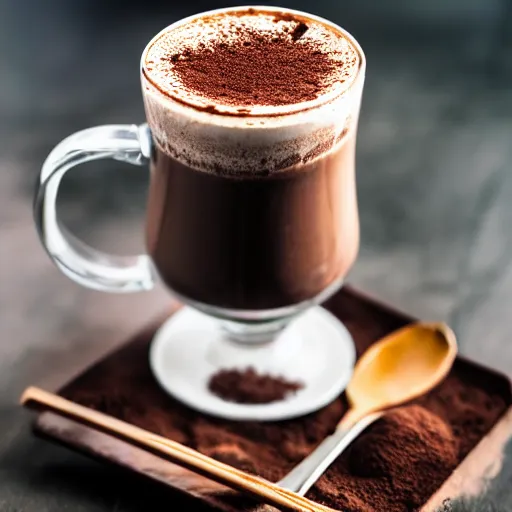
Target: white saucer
point(315, 349)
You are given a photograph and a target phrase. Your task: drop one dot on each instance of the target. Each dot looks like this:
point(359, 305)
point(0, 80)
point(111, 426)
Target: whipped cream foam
point(260, 121)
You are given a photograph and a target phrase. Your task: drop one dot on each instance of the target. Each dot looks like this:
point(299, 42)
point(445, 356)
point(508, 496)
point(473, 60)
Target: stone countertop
point(434, 180)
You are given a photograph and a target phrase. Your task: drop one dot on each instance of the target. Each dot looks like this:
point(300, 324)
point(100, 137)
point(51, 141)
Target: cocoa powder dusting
point(256, 70)
point(249, 58)
point(394, 466)
point(249, 387)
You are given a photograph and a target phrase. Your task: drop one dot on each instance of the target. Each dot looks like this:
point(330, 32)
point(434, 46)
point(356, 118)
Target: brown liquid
point(253, 242)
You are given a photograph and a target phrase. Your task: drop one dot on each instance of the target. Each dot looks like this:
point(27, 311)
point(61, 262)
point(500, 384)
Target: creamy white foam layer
point(268, 139)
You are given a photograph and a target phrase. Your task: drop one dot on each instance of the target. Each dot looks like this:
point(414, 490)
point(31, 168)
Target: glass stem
point(254, 333)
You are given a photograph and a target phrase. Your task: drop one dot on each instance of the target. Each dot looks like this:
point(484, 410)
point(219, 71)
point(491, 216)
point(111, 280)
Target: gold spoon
point(404, 365)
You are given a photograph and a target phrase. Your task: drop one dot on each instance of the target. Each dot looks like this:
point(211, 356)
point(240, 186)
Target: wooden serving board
point(125, 373)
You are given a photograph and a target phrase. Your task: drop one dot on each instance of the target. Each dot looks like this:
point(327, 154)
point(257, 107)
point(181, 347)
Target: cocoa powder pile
point(405, 445)
point(395, 466)
point(249, 387)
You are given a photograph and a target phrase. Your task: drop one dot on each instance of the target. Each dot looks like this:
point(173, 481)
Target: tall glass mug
point(251, 223)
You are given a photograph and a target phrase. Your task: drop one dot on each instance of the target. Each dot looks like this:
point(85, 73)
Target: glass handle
point(78, 261)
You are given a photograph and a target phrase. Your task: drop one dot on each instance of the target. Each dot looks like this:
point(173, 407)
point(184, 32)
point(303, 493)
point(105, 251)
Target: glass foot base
point(315, 350)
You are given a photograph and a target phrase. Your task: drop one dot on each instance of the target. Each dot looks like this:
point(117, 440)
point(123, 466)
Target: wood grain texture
point(249, 487)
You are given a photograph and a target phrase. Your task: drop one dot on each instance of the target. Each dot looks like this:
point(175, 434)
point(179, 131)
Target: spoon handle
point(302, 477)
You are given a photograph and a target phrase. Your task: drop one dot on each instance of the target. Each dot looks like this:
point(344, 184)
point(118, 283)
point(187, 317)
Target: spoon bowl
point(401, 366)
point(398, 368)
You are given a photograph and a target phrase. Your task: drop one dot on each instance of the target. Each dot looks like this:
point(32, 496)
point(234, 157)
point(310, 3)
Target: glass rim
point(258, 111)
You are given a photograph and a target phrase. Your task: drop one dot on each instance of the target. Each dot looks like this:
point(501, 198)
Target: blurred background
point(434, 183)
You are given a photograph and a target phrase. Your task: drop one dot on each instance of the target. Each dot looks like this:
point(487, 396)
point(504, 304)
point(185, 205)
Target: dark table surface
point(434, 179)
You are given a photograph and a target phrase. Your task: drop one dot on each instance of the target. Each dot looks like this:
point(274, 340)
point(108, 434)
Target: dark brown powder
point(255, 70)
point(246, 58)
point(395, 444)
point(394, 467)
point(405, 444)
point(249, 387)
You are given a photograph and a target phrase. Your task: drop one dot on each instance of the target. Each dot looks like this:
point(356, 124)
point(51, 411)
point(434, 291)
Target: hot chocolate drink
point(252, 212)
point(252, 201)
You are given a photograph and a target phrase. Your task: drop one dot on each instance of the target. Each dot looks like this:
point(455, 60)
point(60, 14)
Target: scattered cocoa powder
point(247, 58)
point(395, 466)
point(249, 387)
